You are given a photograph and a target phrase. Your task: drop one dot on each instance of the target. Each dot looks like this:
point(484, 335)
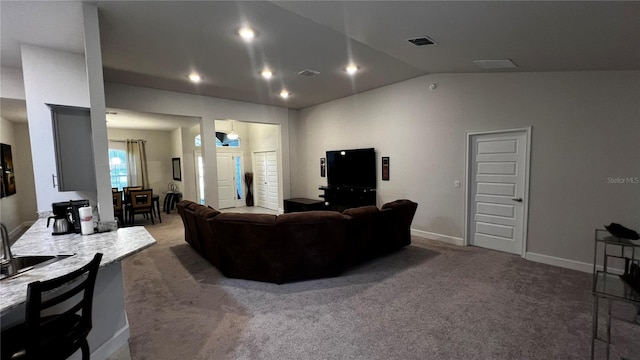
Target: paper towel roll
point(86, 220)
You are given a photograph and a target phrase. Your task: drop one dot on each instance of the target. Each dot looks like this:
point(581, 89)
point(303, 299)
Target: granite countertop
point(114, 245)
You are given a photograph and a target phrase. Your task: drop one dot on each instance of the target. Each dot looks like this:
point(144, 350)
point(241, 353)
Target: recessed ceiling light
point(266, 73)
point(247, 33)
point(284, 94)
point(195, 77)
point(351, 69)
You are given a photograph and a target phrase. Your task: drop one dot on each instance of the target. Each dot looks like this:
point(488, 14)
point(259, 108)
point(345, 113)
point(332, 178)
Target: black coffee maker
point(61, 221)
point(66, 217)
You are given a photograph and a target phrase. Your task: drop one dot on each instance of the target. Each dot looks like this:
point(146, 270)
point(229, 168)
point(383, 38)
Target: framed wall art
point(385, 168)
point(177, 173)
point(8, 185)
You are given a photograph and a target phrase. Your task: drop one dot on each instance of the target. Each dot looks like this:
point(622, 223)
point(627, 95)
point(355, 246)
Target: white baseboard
point(568, 264)
point(544, 259)
point(556, 261)
point(117, 341)
point(439, 237)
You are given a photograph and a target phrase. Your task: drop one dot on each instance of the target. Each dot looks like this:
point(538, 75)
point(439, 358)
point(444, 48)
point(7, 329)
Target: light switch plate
point(456, 183)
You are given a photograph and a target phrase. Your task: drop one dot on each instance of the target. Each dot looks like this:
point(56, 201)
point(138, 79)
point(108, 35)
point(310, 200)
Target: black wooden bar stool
point(60, 335)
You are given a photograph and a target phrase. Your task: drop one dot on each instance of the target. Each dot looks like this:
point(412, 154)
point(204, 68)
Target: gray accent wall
point(585, 151)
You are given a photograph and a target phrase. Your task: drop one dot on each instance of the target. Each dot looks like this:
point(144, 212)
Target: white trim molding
point(568, 264)
point(438, 237)
point(539, 258)
point(561, 262)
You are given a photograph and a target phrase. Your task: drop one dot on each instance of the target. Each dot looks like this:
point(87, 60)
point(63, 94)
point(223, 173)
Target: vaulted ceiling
point(157, 44)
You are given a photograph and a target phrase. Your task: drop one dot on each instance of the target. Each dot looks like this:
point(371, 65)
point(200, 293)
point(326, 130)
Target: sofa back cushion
point(248, 249)
point(312, 243)
point(362, 229)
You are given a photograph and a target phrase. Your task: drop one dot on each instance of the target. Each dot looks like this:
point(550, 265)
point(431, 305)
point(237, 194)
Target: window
point(221, 141)
point(118, 168)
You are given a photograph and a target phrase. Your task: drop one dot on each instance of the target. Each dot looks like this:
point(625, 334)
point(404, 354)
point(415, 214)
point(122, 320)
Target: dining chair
point(48, 333)
point(127, 189)
point(117, 206)
point(141, 203)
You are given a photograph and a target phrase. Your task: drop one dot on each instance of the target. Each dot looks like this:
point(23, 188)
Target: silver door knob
point(517, 199)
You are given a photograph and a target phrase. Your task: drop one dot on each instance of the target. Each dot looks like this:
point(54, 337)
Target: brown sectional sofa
point(295, 246)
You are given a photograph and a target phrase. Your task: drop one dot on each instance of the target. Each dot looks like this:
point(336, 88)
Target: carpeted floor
point(427, 301)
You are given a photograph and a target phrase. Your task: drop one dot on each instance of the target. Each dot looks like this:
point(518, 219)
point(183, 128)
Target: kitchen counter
point(114, 245)
point(111, 327)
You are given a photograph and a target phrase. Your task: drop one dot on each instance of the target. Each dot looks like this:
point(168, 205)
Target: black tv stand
point(339, 198)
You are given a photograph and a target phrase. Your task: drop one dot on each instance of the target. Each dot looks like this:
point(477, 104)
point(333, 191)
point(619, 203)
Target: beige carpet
point(428, 301)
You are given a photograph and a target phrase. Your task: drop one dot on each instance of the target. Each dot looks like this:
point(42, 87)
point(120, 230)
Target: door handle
point(517, 199)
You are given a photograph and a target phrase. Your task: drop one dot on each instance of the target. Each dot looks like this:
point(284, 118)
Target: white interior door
point(226, 186)
point(260, 190)
point(266, 179)
point(497, 188)
point(272, 180)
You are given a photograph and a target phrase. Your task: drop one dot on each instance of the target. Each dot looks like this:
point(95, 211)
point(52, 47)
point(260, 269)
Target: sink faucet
point(7, 257)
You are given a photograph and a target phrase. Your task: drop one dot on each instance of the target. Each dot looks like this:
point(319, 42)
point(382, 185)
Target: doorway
point(498, 189)
point(199, 166)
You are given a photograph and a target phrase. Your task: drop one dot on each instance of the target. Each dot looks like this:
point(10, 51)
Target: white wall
point(53, 77)
point(208, 109)
point(176, 152)
point(188, 162)
point(12, 84)
point(159, 154)
point(585, 130)
point(264, 137)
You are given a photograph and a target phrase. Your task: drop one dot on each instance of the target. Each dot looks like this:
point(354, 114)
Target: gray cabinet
point(73, 148)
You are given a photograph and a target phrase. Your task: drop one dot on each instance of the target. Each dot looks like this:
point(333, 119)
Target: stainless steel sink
point(23, 264)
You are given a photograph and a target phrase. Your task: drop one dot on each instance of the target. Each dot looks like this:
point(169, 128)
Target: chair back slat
point(141, 198)
point(60, 298)
point(128, 189)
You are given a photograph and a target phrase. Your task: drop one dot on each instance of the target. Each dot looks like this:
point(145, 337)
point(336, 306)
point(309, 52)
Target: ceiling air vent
point(309, 73)
point(421, 41)
point(495, 64)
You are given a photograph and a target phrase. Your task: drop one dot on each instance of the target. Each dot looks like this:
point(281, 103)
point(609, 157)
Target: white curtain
point(137, 173)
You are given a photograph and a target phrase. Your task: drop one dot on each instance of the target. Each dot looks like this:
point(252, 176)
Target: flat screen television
point(352, 168)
